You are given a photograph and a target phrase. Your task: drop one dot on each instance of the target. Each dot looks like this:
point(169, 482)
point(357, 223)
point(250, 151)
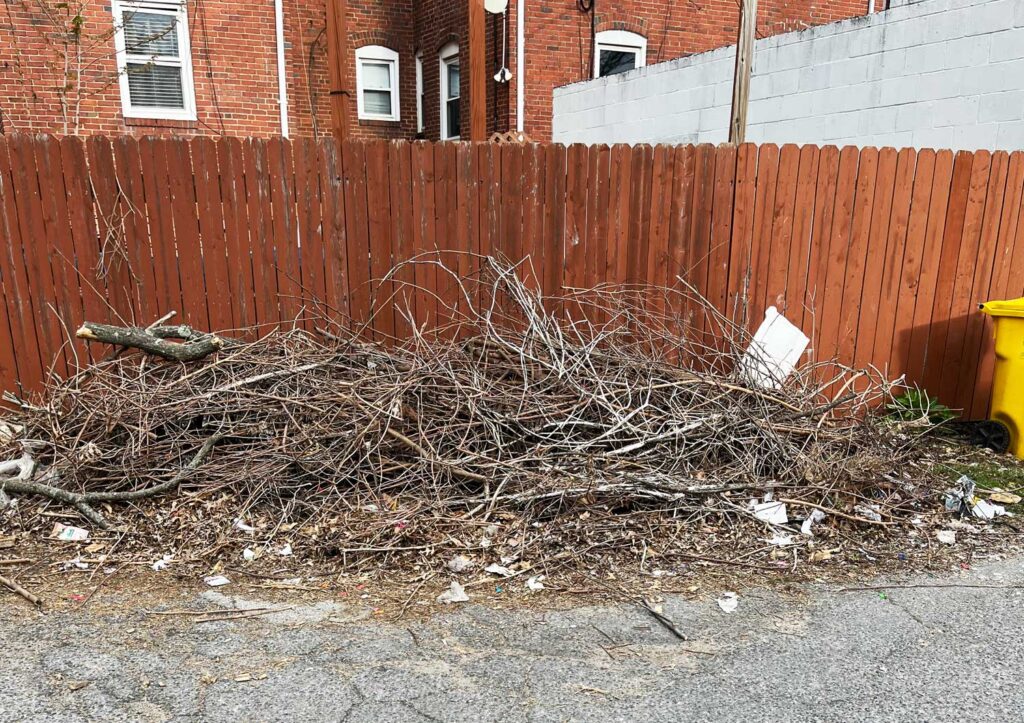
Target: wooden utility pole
point(477, 71)
point(741, 78)
point(337, 65)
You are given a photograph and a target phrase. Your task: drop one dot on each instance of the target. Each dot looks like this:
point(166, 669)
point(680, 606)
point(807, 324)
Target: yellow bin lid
point(1012, 307)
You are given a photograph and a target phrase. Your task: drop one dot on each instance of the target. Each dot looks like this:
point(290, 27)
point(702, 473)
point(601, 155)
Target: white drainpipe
point(871, 6)
point(282, 80)
point(520, 63)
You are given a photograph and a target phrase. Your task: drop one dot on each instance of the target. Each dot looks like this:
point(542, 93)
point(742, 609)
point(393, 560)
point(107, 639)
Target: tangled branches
point(519, 410)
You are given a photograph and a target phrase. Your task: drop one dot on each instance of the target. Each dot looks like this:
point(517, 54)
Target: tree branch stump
point(193, 346)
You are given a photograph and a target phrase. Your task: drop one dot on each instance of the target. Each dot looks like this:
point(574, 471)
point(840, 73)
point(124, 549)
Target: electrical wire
point(201, 14)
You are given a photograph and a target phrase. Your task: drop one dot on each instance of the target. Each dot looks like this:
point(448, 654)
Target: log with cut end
point(194, 345)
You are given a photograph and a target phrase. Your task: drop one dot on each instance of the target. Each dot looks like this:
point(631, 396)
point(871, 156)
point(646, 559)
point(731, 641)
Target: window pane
point(453, 78)
point(150, 34)
point(155, 86)
point(377, 102)
point(376, 75)
point(453, 118)
point(616, 61)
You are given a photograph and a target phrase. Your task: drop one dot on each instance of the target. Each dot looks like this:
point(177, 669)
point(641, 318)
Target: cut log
point(194, 345)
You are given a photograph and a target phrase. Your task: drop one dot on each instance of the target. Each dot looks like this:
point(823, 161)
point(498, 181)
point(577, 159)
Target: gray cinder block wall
point(932, 73)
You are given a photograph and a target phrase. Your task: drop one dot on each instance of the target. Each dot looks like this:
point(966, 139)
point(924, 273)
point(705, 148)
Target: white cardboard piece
point(774, 351)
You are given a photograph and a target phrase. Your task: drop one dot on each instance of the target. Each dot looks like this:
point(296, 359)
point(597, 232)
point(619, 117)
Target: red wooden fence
point(879, 254)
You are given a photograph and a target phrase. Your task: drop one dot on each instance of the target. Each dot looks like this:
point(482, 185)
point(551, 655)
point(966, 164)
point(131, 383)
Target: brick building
point(259, 67)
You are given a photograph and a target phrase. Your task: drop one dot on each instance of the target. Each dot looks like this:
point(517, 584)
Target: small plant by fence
point(879, 255)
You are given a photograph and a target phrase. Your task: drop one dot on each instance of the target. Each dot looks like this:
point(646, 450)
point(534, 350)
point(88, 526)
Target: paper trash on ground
point(66, 533)
point(814, 518)
point(946, 537)
point(774, 513)
point(774, 351)
point(496, 569)
point(455, 594)
point(963, 501)
point(162, 563)
point(459, 563)
point(534, 583)
point(728, 602)
point(216, 580)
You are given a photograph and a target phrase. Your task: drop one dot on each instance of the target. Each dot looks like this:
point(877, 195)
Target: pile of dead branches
point(625, 403)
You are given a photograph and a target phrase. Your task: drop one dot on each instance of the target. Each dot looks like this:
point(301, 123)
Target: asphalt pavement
point(935, 648)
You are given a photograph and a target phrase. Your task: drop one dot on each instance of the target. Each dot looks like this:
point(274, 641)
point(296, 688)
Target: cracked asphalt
point(942, 651)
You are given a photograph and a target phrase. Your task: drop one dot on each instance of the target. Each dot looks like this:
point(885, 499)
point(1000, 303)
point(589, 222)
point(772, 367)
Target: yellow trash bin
point(1008, 378)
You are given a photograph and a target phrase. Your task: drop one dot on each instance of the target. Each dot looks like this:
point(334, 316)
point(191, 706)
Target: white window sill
point(156, 114)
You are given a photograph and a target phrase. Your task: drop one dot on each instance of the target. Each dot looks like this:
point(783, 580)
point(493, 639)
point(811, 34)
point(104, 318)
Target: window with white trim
point(377, 83)
point(154, 60)
point(419, 91)
point(618, 51)
point(450, 92)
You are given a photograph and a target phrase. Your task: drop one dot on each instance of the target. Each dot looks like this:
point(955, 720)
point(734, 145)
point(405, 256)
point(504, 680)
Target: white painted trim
point(447, 54)
point(282, 78)
point(419, 91)
point(622, 40)
point(378, 54)
point(178, 9)
point(520, 63)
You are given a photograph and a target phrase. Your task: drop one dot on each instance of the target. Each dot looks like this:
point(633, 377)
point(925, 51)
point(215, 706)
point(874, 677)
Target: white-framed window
point(449, 65)
point(419, 91)
point(377, 83)
point(618, 51)
point(154, 60)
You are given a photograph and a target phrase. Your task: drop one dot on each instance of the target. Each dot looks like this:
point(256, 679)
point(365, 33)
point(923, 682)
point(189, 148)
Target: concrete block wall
point(931, 73)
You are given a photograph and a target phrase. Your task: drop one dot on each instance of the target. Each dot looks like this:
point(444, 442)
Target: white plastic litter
point(76, 564)
point(946, 537)
point(535, 584)
point(774, 513)
point(780, 540)
point(162, 563)
point(244, 527)
point(496, 569)
point(728, 602)
point(868, 512)
point(216, 581)
point(963, 500)
point(248, 555)
point(985, 510)
point(285, 551)
point(459, 563)
point(815, 517)
point(774, 351)
point(455, 594)
point(66, 533)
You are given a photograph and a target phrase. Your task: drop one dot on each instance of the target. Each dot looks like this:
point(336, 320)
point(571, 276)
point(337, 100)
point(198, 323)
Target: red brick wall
point(558, 47)
point(235, 67)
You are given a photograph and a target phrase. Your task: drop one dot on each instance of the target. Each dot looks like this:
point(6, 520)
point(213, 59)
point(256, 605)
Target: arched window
point(377, 83)
point(618, 51)
point(450, 92)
